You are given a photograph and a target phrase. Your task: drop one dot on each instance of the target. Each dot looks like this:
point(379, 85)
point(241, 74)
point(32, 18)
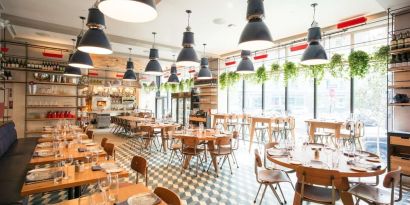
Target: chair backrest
point(190, 142)
point(291, 123)
point(90, 134)
point(258, 162)
point(267, 146)
point(359, 129)
point(392, 178)
point(167, 196)
point(109, 149)
point(223, 142)
point(140, 165)
point(322, 177)
point(147, 129)
point(103, 141)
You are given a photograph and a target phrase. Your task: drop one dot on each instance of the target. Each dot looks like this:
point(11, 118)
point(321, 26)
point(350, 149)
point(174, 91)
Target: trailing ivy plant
point(336, 66)
point(181, 86)
point(275, 71)
point(189, 83)
point(315, 71)
point(380, 59)
point(290, 71)
point(165, 87)
point(233, 78)
point(223, 80)
point(261, 76)
point(149, 87)
point(358, 63)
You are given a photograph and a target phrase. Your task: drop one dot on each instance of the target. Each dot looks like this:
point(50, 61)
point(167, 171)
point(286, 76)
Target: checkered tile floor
point(206, 188)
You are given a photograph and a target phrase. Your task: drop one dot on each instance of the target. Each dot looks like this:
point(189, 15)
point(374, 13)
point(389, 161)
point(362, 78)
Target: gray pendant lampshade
point(80, 59)
point(94, 40)
point(72, 71)
point(129, 74)
point(136, 11)
point(246, 65)
point(314, 54)
point(204, 72)
point(173, 78)
point(153, 67)
point(188, 56)
point(255, 35)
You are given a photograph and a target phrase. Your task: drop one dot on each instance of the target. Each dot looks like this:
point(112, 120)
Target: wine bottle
point(407, 40)
point(392, 63)
point(400, 41)
point(393, 43)
point(399, 60)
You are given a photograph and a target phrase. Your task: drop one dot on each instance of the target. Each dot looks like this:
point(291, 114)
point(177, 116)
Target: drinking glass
point(58, 176)
point(335, 159)
point(104, 185)
point(114, 186)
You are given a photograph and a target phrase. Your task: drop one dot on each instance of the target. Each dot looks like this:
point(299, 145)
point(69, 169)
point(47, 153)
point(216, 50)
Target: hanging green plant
point(233, 78)
point(223, 80)
point(260, 75)
point(149, 87)
point(380, 59)
point(248, 77)
point(336, 66)
point(275, 71)
point(358, 63)
point(290, 71)
point(181, 86)
point(189, 83)
point(174, 87)
point(315, 71)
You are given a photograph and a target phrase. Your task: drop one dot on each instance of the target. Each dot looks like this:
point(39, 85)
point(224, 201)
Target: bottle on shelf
point(399, 60)
point(400, 41)
point(404, 60)
point(393, 42)
point(407, 40)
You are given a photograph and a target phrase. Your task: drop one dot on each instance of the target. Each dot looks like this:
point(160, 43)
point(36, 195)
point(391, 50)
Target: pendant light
point(94, 40)
point(187, 56)
point(173, 78)
point(204, 72)
point(80, 59)
point(314, 54)
point(137, 11)
point(246, 65)
point(153, 67)
point(255, 35)
point(70, 70)
point(129, 74)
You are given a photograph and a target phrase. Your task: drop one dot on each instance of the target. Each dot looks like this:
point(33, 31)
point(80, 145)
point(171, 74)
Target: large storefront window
point(235, 98)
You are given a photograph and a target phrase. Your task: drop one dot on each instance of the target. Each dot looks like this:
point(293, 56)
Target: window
point(235, 97)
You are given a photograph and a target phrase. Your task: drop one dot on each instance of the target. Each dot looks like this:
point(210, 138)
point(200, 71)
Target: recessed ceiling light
point(219, 21)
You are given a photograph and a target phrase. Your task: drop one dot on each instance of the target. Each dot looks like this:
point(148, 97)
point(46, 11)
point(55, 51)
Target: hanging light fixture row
point(153, 67)
point(72, 71)
point(80, 59)
point(188, 57)
point(129, 74)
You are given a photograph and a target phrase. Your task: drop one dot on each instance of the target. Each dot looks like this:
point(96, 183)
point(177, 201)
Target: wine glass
point(114, 186)
point(104, 185)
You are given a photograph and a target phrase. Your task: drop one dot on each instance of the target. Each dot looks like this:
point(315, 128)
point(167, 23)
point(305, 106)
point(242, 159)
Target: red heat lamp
point(298, 47)
point(258, 57)
point(229, 63)
point(4, 49)
point(52, 55)
point(351, 22)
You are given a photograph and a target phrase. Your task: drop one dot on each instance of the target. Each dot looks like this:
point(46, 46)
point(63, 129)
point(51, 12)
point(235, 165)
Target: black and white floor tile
point(237, 188)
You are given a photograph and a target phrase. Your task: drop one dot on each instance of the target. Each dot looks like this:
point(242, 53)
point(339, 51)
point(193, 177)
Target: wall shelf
point(51, 95)
point(399, 69)
point(399, 104)
point(401, 50)
point(47, 119)
point(50, 107)
point(34, 70)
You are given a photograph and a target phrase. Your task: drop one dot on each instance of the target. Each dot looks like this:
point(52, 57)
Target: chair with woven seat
point(168, 196)
point(140, 165)
point(267, 178)
point(287, 171)
point(374, 195)
point(191, 148)
point(109, 150)
point(313, 183)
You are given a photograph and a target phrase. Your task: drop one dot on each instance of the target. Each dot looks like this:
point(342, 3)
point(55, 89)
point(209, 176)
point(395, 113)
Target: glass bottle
point(399, 60)
point(407, 40)
point(393, 43)
point(400, 41)
point(392, 63)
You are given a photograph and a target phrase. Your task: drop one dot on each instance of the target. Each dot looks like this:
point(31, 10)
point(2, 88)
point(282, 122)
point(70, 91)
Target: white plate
point(295, 162)
point(373, 159)
point(108, 165)
point(90, 144)
point(44, 153)
point(39, 170)
point(359, 169)
point(45, 145)
point(86, 141)
point(146, 198)
point(114, 170)
point(45, 135)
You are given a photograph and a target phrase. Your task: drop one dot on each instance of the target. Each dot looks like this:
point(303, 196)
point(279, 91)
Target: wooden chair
point(140, 165)
point(90, 134)
point(175, 146)
point(109, 149)
point(278, 128)
point(223, 148)
point(312, 185)
point(190, 149)
point(165, 137)
point(235, 146)
point(374, 195)
point(358, 134)
point(167, 196)
point(267, 178)
point(103, 141)
point(232, 123)
point(287, 171)
point(290, 124)
point(147, 137)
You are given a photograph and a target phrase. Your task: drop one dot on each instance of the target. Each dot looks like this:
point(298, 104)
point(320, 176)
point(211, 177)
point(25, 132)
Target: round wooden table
point(305, 155)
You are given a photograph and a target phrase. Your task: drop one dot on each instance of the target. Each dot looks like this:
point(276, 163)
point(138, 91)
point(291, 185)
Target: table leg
point(225, 124)
point(215, 163)
point(214, 122)
point(270, 131)
point(312, 132)
point(251, 134)
point(347, 198)
point(186, 161)
point(297, 199)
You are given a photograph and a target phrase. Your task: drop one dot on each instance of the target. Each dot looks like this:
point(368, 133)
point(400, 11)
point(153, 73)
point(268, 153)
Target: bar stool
point(244, 124)
point(232, 123)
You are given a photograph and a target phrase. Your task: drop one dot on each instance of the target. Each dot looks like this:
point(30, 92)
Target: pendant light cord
point(188, 28)
point(153, 45)
point(82, 26)
point(204, 48)
point(314, 23)
point(129, 58)
point(73, 45)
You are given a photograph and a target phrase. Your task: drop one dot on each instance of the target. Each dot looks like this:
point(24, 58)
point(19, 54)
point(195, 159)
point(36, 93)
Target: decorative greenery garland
point(290, 71)
point(358, 63)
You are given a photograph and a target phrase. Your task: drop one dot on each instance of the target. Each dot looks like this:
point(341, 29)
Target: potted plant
point(290, 71)
point(358, 63)
point(380, 59)
point(336, 66)
point(275, 71)
point(260, 75)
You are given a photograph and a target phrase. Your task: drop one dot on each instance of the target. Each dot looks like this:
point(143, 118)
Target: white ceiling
point(283, 17)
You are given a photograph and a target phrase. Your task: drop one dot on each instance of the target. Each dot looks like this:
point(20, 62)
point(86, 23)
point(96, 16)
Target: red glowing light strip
point(119, 75)
point(52, 55)
point(298, 47)
point(260, 56)
point(178, 73)
point(230, 63)
point(4, 49)
point(352, 22)
point(191, 71)
point(92, 74)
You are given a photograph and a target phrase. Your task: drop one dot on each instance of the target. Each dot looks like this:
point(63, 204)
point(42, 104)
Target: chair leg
point(263, 194)
point(293, 186)
point(283, 196)
point(276, 194)
point(229, 162)
point(260, 186)
point(234, 158)
point(171, 157)
point(197, 165)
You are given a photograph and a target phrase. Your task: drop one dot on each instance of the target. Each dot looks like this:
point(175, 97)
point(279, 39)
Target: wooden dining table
point(304, 156)
point(124, 192)
point(223, 117)
point(269, 120)
point(76, 180)
point(208, 135)
point(326, 124)
point(134, 118)
point(49, 138)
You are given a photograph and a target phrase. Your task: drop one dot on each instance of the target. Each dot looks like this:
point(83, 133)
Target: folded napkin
point(96, 168)
point(82, 149)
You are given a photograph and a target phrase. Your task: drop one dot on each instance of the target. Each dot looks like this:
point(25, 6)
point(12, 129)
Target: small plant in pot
point(290, 71)
point(358, 63)
point(260, 75)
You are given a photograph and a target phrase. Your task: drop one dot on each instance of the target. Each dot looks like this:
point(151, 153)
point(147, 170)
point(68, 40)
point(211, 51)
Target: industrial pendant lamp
point(173, 78)
point(70, 70)
point(80, 59)
point(255, 35)
point(314, 54)
point(187, 56)
point(129, 74)
point(153, 67)
point(246, 65)
point(137, 11)
point(204, 72)
point(94, 40)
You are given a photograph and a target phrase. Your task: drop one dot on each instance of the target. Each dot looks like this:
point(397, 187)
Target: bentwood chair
point(318, 185)
point(374, 195)
point(190, 148)
point(267, 178)
point(109, 150)
point(167, 196)
point(223, 147)
point(140, 165)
